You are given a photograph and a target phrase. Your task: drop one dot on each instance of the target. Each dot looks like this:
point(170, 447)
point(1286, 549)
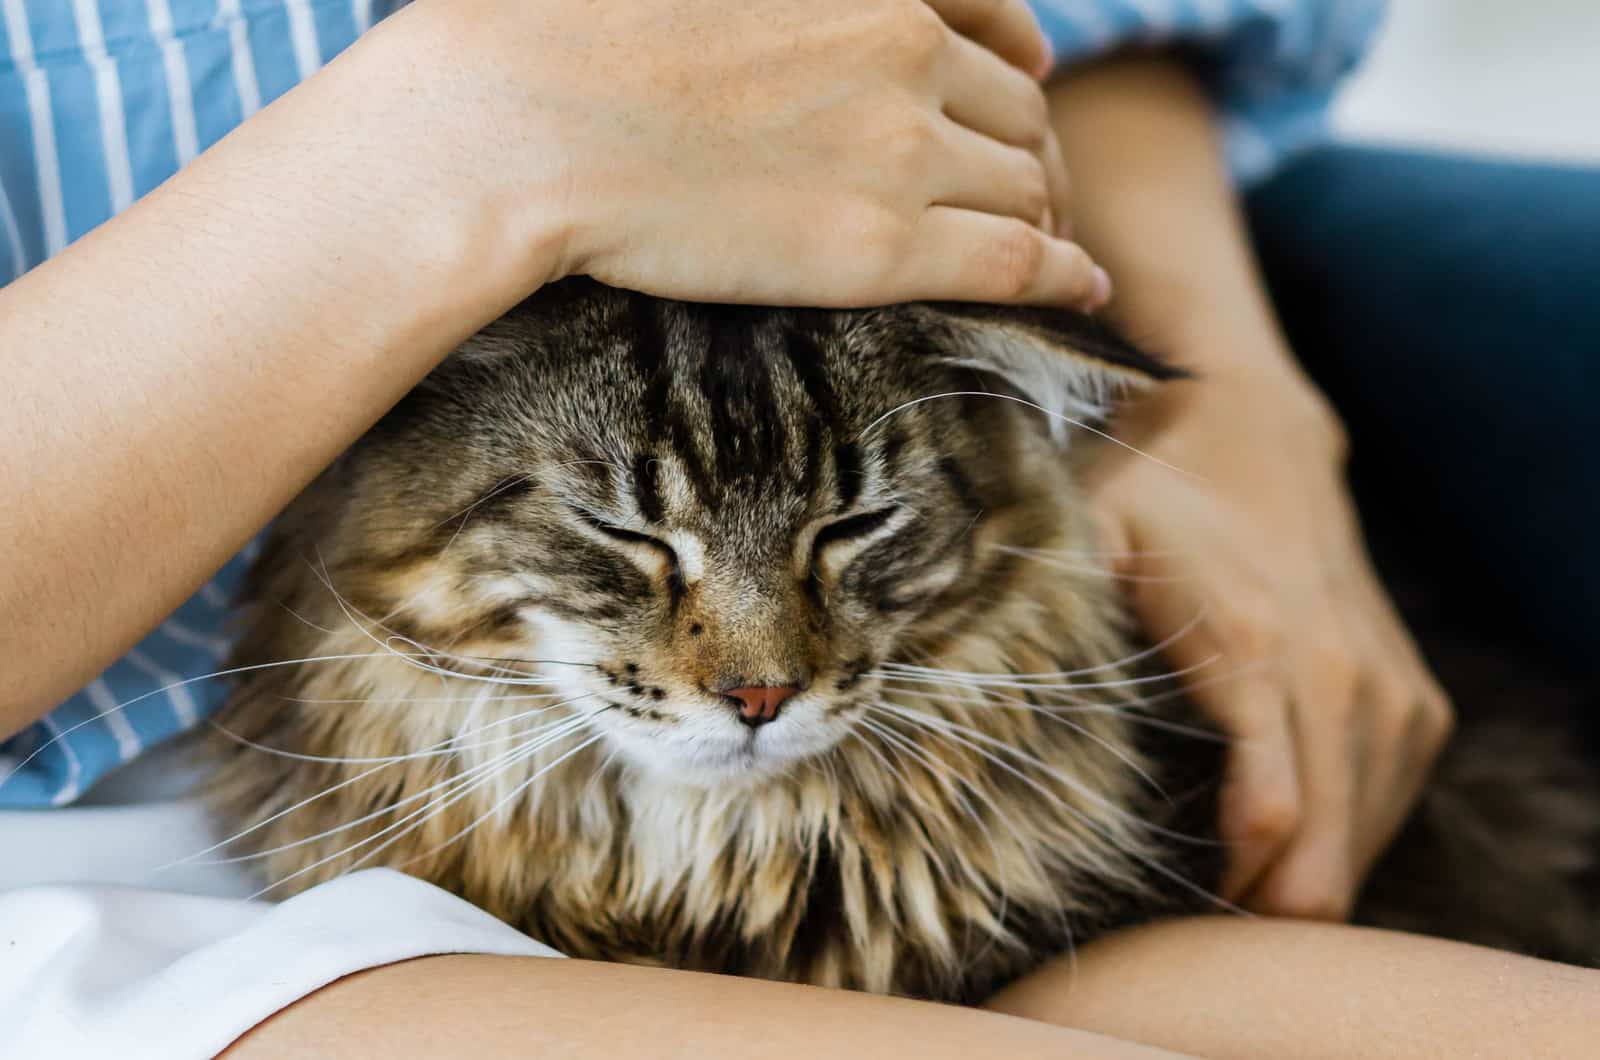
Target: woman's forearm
point(499, 1008)
point(176, 376)
point(1152, 198)
point(1266, 988)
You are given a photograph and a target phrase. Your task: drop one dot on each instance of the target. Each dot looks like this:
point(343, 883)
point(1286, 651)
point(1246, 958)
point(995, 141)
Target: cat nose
point(759, 704)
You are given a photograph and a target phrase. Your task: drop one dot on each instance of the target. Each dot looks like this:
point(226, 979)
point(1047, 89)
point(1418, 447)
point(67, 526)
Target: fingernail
point(1101, 292)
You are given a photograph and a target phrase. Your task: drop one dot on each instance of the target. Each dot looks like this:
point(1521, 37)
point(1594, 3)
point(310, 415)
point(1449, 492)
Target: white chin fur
point(717, 751)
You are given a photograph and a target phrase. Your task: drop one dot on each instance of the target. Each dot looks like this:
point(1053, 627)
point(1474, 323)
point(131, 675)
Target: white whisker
point(515, 792)
point(434, 806)
point(1037, 683)
point(191, 858)
point(1089, 568)
point(125, 704)
point(1149, 862)
point(972, 738)
point(453, 781)
point(1138, 656)
point(1032, 405)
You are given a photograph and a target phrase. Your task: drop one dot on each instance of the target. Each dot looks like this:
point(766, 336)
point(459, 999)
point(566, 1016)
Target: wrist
point(466, 238)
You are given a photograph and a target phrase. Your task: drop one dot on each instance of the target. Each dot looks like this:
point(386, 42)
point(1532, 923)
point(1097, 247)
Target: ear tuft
point(1073, 366)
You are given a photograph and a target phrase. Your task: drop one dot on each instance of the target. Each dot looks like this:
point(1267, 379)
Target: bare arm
point(489, 1008)
point(1297, 651)
point(177, 375)
point(1273, 989)
point(174, 378)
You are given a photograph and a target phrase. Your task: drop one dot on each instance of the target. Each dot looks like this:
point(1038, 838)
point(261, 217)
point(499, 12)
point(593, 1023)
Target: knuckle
point(873, 234)
point(1035, 115)
point(917, 31)
point(912, 142)
point(1333, 667)
point(1033, 186)
point(1271, 816)
point(1018, 257)
point(1437, 721)
point(1249, 626)
point(1397, 699)
point(878, 240)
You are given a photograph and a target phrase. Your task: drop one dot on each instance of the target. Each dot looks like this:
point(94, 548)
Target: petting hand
point(839, 152)
point(1295, 648)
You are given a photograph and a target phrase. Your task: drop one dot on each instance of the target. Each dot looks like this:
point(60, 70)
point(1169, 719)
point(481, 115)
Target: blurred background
point(1519, 77)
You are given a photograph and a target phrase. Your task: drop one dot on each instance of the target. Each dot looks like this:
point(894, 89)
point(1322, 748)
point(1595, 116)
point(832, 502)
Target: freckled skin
point(607, 515)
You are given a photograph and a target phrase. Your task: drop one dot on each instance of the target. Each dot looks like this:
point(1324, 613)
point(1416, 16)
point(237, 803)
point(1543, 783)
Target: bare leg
point(1280, 988)
point(490, 1008)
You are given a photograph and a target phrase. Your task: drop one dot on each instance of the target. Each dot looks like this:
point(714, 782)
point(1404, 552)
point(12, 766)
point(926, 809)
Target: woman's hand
point(1299, 655)
point(1253, 564)
point(840, 152)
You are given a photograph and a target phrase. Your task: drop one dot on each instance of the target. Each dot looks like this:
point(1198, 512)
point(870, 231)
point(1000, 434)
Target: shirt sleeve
point(101, 971)
point(1271, 65)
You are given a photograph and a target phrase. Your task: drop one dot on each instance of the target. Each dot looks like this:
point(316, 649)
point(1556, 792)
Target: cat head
point(705, 527)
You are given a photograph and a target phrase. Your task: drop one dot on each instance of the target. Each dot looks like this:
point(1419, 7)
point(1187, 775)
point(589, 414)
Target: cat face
point(706, 526)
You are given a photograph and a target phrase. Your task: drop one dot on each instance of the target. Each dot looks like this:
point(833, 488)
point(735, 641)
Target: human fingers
point(1006, 27)
point(1315, 878)
point(991, 177)
point(1224, 639)
point(1412, 720)
point(989, 96)
point(961, 253)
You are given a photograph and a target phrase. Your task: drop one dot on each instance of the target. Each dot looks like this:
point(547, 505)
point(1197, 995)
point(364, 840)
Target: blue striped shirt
point(101, 100)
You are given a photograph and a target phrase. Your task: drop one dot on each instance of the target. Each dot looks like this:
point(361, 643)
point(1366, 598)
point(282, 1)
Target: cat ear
point(1073, 366)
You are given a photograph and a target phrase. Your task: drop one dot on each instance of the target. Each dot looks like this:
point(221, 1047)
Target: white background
point(1502, 76)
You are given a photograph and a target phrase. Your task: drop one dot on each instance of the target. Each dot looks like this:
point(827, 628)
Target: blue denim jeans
point(1450, 308)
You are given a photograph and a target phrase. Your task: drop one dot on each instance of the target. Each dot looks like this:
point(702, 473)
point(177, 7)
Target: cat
point(775, 642)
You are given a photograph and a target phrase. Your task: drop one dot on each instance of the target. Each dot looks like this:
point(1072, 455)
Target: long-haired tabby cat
point(776, 642)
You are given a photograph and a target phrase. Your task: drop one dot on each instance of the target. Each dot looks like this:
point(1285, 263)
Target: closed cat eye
point(626, 536)
point(856, 526)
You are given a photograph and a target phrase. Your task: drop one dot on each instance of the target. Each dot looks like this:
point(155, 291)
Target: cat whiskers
point(1059, 416)
point(1115, 664)
point(1048, 558)
point(1133, 709)
point(463, 785)
point(453, 781)
point(441, 749)
point(973, 740)
point(514, 793)
point(904, 674)
point(944, 773)
point(233, 671)
point(979, 743)
point(314, 701)
point(444, 749)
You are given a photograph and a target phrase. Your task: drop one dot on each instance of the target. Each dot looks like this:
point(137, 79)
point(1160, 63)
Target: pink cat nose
point(759, 704)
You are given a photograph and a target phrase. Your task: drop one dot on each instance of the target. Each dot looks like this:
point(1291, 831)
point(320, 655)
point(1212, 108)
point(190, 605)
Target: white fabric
point(94, 971)
point(104, 958)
